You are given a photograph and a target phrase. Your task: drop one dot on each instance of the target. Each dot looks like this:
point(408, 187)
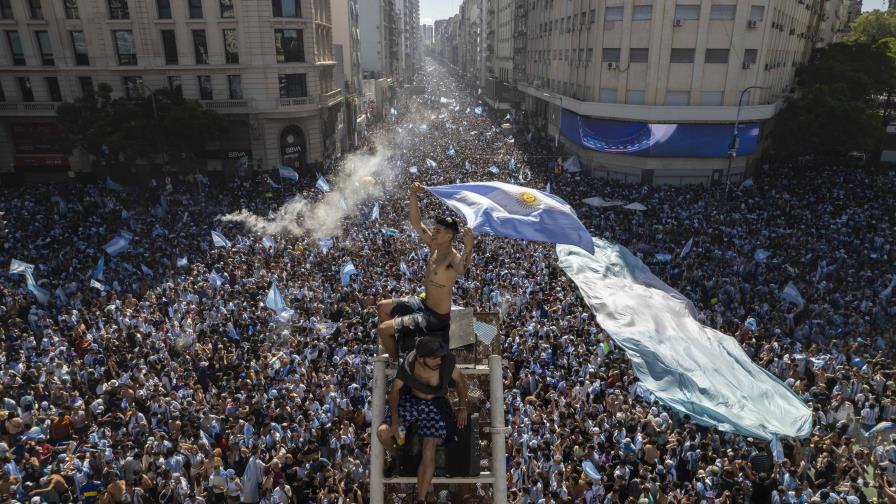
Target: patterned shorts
point(413, 317)
point(412, 409)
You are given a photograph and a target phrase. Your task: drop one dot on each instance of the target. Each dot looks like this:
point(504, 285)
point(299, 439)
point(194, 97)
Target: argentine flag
point(215, 280)
point(219, 240)
point(182, 262)
point(97, 285)
point(375, 213)
point(404, 268)
point(268, 242)
point(41, 294)
point(100, 266)
point(273, 184)
point(515, 212)
point(288, 173)
point(17, 267)
point(117, 245)
point(430, 163)
point(322, 184)
point(791, 294)
point(275, 302)
point(348, 269)
point(146, 271)
point(687, 247)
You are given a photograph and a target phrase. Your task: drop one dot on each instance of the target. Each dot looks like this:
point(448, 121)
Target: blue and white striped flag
point(273, 184)
point(117, 245)
point(268, 242)
point(791, 294)
point(512, 165)
point(413, 169)
point(97, 285)
point(404, 268)
point(17, 267)
point(430, 163)
point(451, 151)
point(325, 243)
point(41, 294)
point(100, 266)
point(375, 213)
point(886, 293)
point(761, 255)
point(231, 332)
point(288, 173)
point(146, 271)
point(275, 301)
point(687, 248)
point(478, 110)
point(219, 240)
point(60, 294)
point(215, 280)
point(467, 166)
point(322, 184)
point(112, 185)
point(547, 188)
point(348, 269)
point(182, 262)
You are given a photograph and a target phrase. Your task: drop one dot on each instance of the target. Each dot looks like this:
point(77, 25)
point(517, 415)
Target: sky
point(431, 10)
point(867, 5)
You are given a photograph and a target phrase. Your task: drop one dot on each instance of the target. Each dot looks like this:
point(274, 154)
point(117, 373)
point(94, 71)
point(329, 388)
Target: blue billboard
point(658, 139)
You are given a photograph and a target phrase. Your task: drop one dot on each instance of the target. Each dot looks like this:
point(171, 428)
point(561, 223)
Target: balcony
point(331, 98)
point(227, 106)
point(46, 109)
point(298, 102)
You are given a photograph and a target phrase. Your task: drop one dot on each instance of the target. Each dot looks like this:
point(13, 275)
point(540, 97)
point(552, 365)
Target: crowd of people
point(167, 379)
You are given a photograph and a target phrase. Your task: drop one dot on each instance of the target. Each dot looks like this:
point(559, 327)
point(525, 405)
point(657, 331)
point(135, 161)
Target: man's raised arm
point(416, 222)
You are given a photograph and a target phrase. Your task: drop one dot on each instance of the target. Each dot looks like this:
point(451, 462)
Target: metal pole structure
point(498, 431)
point(377, 486)
point(732, 147)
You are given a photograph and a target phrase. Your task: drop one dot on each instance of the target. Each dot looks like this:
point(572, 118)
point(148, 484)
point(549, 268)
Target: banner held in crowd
point(345, 274)
point(288, 173)
point(219, 240)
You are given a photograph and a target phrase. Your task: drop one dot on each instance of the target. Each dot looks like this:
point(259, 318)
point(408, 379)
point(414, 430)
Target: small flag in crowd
point(117, 245)
point(516, 212)
point(219, 240)
point(478, 110)
point(17, 267)
point(886, 293)
point(791, 294)
point(182, 262)
point(431, 163)
point(97, 285)
point(375, 213)
point(547, 188)
point(202, 179)
point(215, 280)
point(231, 332)
point(288, 173)
point(390, 232)
point(325, 243)
point(268, 242)
point(412, 169)
point(661, 257)
point(60, 294)
point(277, 304)
point(746, 184)
point(687, 247)
point(404, 268)
point(512, 165)
point(112, 185)
point(348, 269)
point(41, 294)
point(493, 169)
point(761, 255)
point(273, 184)
point(146, 271)
point(100, 266)
point(572, 165)
point(451, 151)
point(322, 184)
point(819, 271)
point(467, 166)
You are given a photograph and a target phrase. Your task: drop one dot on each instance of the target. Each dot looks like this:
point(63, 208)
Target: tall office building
point(347, 46)
point(266, 65)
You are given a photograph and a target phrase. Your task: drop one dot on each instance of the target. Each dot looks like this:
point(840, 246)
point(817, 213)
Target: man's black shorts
point(413, 317)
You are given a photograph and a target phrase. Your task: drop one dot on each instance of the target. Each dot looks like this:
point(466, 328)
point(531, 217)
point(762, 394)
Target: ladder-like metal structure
point(496, 476)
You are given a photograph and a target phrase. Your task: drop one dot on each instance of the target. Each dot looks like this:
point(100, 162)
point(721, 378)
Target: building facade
point(347, 45)
point(649, 91)
point(426, 35)
point(266, 65)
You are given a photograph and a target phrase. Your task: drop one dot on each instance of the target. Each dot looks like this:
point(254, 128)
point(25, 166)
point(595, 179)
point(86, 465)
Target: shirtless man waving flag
point(411, 316)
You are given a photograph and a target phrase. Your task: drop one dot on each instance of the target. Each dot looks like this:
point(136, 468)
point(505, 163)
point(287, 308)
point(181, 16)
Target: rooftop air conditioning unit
point(612, 66)
point(747, 66)
point(678, 22)
point(752, 23)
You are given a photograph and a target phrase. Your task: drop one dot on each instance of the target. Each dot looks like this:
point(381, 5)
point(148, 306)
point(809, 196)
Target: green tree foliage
point(124, 130)
point(872, 27)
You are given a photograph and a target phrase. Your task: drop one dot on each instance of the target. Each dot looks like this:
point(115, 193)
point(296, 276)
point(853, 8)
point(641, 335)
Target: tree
point(125, 130)
point(872, 27)
point(865, 70)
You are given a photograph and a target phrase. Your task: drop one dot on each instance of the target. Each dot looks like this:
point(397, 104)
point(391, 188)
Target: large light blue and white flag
point(146, 271)
point(288, 173)
point(515, 212)
point(268, 242)
point(687, 248)
point(375, 212)
point(100, 267)
point(322, 184)
point(17, 267)
point(348, 269)
point(271, 181)
point(791, 294)
point(404, 268)
point(182, 262)
point(219, 240)
point(430, 163)
point(688, 366)
point(215, 280)
point(117, 245)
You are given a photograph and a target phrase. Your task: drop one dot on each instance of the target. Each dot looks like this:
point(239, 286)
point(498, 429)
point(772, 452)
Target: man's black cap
point(448, 223)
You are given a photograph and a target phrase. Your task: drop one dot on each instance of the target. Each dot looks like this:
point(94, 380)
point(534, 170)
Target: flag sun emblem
point(528, 199)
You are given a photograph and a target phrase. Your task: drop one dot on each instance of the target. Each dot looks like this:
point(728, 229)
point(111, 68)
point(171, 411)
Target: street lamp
point(735, 142)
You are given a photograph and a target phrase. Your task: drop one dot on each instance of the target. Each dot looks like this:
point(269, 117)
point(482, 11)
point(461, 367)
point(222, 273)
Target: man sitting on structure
point(411, 316)
point(418, 396)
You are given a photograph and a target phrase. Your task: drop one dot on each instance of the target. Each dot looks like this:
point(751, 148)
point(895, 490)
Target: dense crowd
point(170, 381)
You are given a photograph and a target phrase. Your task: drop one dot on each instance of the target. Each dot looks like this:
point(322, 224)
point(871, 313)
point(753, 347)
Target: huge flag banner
point(17, 267)
point(219, 240)
point(288, 173)
point(515, 212)
point(322, 184)
point(689, 367)
point(345, 274)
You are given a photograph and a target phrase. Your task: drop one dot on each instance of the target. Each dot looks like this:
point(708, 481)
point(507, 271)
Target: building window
point(678, 97)
point(164, 8)
point(722, 12)
point(293, 86)
point(2, 94)
point(584, 18)
point(757, 13)
point(592, 16)
point(34, 9)
point(195, 9)
point(687, 12)
point(231, 47)
point(750, 56)
point(613, 14)
point(290, 46)
point(6, 9)
point(200, 47)
point(286, 8)
point(25, 89)
point(169, 46)
point(86, 87)
point(205, 87)
point(639, 55)
point(589, 55)
point(610, 55)
point(118, 9)
point(15, 47)
point(125, 47)
point(71, 9)
point(711, 98)
point(607, 95)
point(132, 86)
point(642, 13)
point(235, 85)
point(79, 45)
point(716, 56)
point(227, 9)
point(682, 56)
point(46, 50)
point(634, 97)
point(53, 88)
point(175, 86)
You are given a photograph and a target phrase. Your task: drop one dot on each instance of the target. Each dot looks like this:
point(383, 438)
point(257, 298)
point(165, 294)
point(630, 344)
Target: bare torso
point(439, 279)
point(427, 376)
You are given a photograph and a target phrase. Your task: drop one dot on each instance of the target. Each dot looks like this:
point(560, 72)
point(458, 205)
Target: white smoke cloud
point(359, 181)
